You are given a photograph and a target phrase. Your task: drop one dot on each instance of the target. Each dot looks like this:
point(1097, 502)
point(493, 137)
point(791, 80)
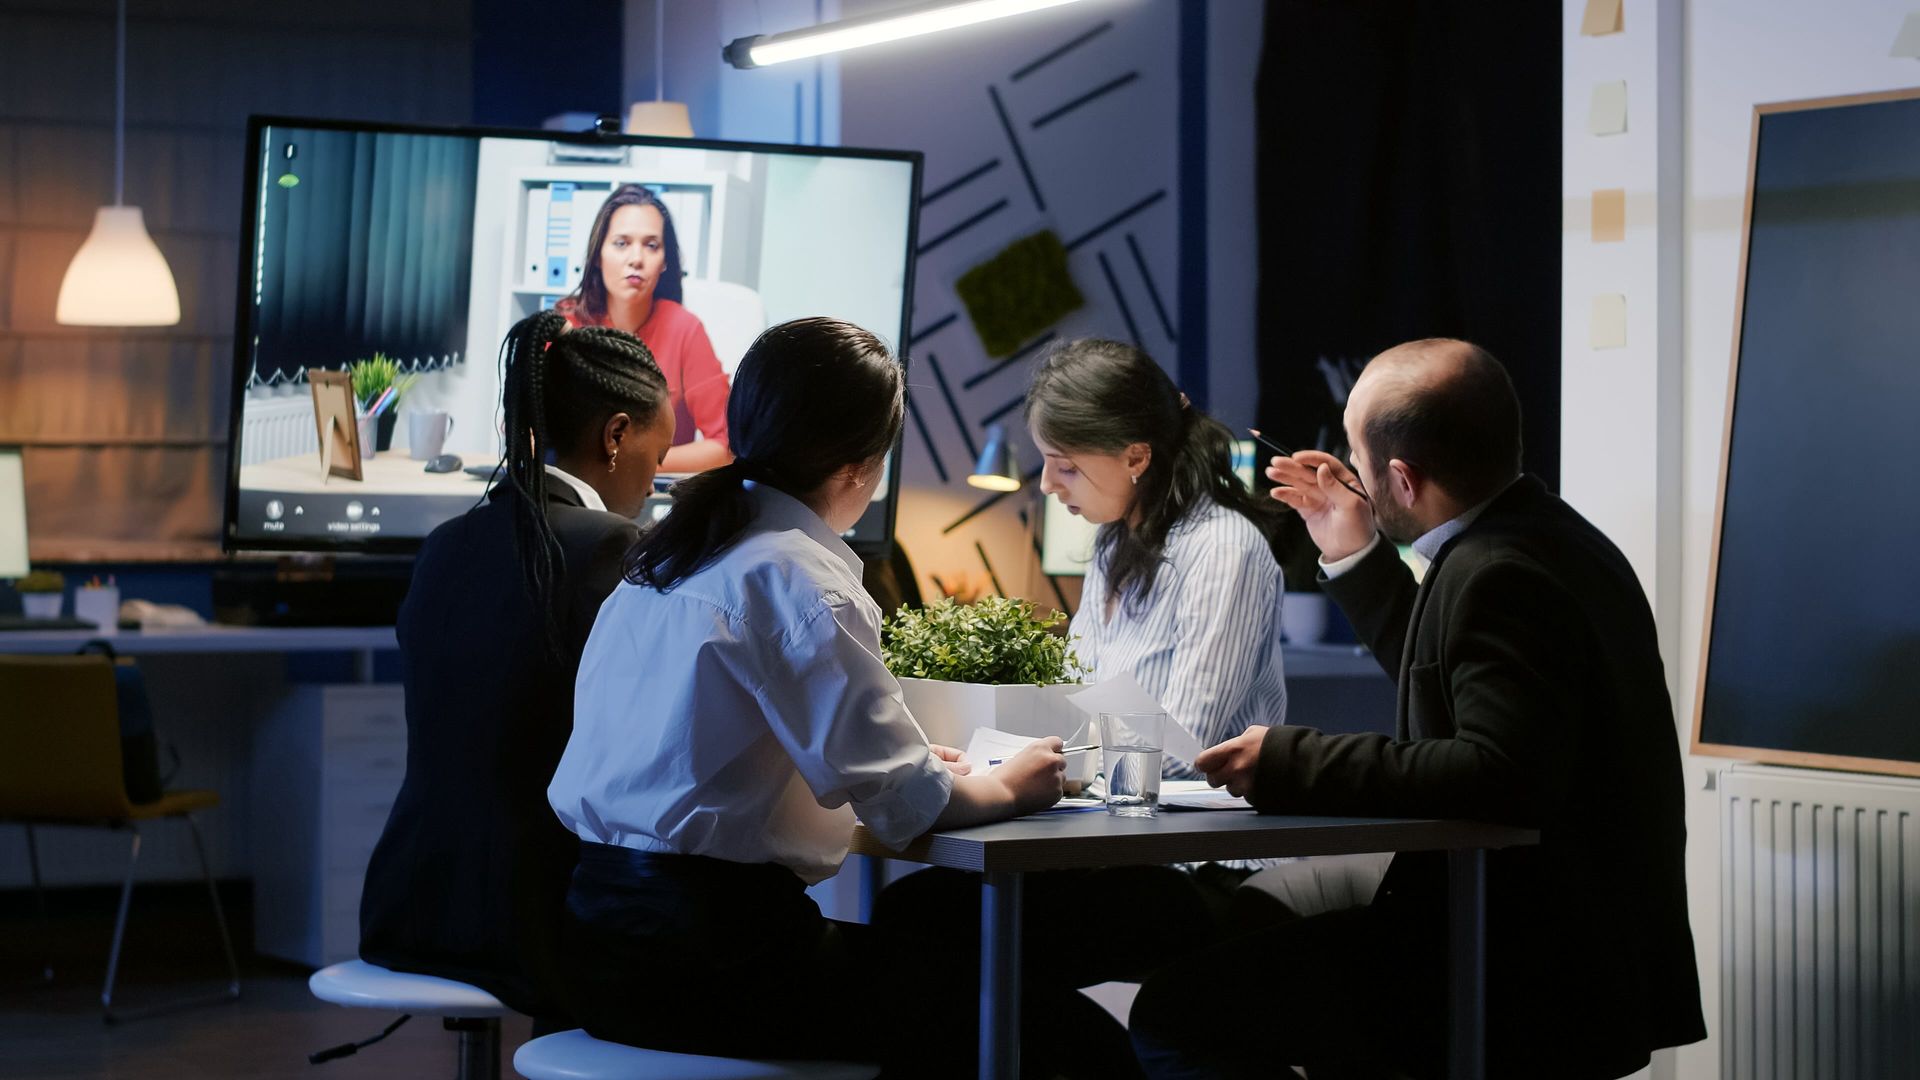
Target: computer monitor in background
point(427, 244)
point(13, 514)
point(1066, 542)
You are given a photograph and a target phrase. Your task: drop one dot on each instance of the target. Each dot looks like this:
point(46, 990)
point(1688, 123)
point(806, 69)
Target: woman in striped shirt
point(1184, 589)
point(1184, 595)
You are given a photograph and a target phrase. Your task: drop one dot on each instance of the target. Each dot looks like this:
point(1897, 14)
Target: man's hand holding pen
point(1327, 496)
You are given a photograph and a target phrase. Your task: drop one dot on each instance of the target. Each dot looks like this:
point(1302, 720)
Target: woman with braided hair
point(733, 719)
point(468, 879)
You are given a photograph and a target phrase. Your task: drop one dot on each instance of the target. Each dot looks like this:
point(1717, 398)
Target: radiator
point(277, 427)
point(1820, 926)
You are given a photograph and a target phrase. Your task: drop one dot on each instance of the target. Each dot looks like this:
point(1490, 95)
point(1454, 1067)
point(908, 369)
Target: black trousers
point(1348, 994)
point(697, 955)
point(1081, 927)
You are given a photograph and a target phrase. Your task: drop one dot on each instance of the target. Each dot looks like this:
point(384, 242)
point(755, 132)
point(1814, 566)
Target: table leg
point(1467, 970)
point(873, 878)
point(1000, 976)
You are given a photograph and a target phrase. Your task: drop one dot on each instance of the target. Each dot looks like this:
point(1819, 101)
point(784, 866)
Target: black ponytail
point(810, 397)
point(557, 390)
point(1104, 396)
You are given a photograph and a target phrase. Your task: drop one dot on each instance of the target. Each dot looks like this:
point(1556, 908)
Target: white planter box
point(949, 712)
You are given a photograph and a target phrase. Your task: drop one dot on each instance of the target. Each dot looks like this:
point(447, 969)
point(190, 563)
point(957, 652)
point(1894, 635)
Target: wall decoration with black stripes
point(1049, 213)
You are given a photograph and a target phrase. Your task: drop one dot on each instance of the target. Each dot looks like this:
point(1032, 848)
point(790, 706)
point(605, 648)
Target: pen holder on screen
point(98, 604)
point(369, 436)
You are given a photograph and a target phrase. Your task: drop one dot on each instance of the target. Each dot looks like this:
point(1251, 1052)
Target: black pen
point(1064, 750)
point(1286, 453)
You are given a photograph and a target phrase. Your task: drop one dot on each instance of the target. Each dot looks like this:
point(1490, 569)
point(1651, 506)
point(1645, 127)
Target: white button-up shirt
point(746, 714)
point(1206, 641)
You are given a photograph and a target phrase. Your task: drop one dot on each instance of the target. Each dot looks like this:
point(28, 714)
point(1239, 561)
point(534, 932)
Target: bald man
point(1530, 692)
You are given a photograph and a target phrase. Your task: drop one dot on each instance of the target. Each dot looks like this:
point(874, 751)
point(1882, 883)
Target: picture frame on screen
point(335, 424)
point(427, 244)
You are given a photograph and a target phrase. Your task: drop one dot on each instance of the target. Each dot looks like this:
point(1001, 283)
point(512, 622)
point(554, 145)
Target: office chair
point(60, 765)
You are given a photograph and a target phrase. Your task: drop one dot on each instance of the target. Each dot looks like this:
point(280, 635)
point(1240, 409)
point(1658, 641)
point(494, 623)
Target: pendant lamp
point(659, 116)
point(118, 277)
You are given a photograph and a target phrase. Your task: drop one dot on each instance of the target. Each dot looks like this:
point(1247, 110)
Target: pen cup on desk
point(1132, 746)
point(98, 604)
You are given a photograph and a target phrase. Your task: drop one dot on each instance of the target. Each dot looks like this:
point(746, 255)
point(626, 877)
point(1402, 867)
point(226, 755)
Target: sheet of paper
point(1602, 17)
point(1609, 215)
point(1609, 327)
point(1198, 795)
point(1123, 693)
point(988, 744)
point(1607, 114)
point(1908, 43)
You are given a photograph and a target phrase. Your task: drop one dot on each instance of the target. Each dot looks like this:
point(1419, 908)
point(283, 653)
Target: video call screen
point(423, 247)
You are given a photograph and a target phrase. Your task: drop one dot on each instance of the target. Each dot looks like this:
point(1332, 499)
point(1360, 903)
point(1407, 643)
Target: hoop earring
point(613, 459)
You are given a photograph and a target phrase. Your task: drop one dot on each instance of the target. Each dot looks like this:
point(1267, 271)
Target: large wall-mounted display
point(1812, 655)
point(423, 246)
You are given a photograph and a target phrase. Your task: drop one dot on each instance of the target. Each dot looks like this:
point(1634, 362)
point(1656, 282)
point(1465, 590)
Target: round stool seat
point(360, 985)
point(576, 1055)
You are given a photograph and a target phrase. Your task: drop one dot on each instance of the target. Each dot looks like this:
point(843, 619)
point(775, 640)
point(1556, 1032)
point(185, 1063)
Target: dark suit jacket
point(1530, 692)
point(470, 876)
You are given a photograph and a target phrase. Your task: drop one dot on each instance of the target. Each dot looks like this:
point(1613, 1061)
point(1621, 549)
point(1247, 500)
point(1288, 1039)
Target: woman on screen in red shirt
point(632, 283)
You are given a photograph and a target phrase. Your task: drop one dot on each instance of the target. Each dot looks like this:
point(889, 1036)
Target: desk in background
point(306, 773)
point(1002, 853)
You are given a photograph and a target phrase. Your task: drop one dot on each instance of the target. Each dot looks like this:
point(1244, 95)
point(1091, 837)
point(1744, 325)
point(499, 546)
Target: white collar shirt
point(746, 714)
point(589, 498)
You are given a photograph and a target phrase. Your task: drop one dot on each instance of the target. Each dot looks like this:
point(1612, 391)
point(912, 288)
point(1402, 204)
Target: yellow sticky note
point(1602, 17)
point(1908, 43)
point(1607, 114)
point(1609, 215)
point(1609, 327)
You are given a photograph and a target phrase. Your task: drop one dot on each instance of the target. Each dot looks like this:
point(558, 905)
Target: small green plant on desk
point(993, 663)
point(372, 377)
point(40, 581)
point(993, 640)
point(41, 593)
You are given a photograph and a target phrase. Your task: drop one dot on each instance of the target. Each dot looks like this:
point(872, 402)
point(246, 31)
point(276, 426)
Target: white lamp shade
point(667, 119)
point(118, 277)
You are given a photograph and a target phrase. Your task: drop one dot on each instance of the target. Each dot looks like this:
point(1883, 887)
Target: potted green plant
point(40, 593)
point(993, 663)
point(371, 379)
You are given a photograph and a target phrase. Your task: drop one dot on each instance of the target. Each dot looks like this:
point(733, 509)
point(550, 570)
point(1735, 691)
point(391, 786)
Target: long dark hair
point(1103, 396)
point(558, 389)
point(811, 397)
point(591, 296)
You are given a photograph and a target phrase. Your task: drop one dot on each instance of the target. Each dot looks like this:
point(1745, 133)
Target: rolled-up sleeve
point(833, 705)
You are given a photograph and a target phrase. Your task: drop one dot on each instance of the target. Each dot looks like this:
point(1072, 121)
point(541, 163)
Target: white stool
point(468, 1011)
point(576, 1055)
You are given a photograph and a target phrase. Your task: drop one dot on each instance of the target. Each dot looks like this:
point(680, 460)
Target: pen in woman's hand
point(1286, 453)
point(1064, 750)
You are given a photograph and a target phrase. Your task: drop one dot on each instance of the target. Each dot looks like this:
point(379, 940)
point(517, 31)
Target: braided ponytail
point(558, 388)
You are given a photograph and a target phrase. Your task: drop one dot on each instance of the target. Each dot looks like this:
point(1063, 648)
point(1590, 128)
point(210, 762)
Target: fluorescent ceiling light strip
point(876, 29)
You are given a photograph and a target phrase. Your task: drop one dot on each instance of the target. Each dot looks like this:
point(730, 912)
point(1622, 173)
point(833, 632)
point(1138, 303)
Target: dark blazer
point(469, 878)
point(1531, 692)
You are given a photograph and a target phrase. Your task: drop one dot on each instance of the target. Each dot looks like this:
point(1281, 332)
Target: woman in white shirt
point(732, 719)
point(1183, 595)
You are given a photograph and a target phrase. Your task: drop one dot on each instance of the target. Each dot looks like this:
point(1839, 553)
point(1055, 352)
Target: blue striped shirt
point(1206, 641)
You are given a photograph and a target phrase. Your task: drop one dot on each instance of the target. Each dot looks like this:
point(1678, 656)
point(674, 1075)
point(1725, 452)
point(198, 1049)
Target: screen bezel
point(230, 541)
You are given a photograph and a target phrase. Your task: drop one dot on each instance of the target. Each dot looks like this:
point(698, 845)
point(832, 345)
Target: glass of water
point(1131, 744)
